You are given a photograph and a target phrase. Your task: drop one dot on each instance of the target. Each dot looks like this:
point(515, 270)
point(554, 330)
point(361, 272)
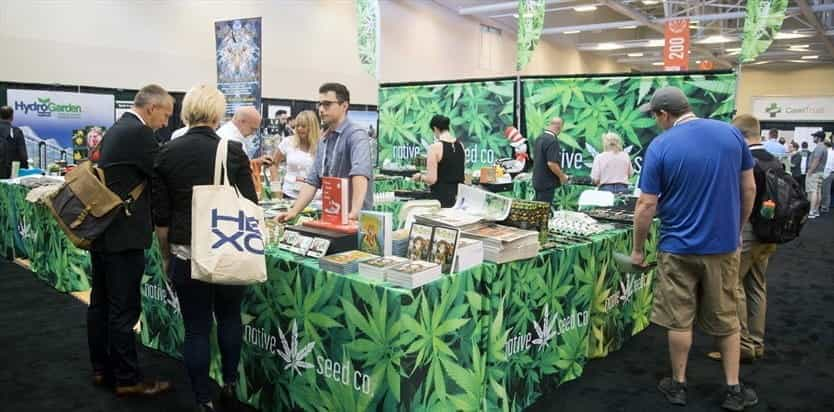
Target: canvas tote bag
point(227, 244)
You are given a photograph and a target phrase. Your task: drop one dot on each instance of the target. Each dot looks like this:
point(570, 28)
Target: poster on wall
point(238, 45)
point(592, 106)
point(56, 117)
point(479, 113)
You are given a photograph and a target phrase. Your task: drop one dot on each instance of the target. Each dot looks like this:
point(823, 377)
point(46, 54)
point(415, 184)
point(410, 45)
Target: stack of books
point(448, 217)
point(345, 262)
point(470, 254)
point(377, 268)
point(413, 274)
point(503, 243)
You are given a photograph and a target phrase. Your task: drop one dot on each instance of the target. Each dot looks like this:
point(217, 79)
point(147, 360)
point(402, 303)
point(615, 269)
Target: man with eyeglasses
point(698, 176)
point(344, 151)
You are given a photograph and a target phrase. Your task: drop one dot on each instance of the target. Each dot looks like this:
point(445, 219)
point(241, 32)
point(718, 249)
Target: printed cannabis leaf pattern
point(591, 107)
point(479, 112)
point(450, 345)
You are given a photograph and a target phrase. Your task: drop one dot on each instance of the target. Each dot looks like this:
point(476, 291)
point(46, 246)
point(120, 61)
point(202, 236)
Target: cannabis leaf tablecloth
point(494, 337)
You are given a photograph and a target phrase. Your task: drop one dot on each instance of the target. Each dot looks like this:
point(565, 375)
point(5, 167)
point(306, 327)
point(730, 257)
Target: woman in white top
point(298, 151)
point(612, 168)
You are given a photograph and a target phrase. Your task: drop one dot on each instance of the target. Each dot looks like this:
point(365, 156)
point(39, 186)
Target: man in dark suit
point(547, 170)
point(12, 144)
point(118, 255)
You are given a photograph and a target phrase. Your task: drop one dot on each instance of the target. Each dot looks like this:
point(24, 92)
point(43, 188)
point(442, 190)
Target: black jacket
point(12, 148)
point(186, 162)
point(127, 152)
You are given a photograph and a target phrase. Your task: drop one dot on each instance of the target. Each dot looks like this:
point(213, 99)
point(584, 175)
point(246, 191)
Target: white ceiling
point(617, 28)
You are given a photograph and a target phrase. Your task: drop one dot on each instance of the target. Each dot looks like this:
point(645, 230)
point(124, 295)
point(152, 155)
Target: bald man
point(245, 122)
point(547, 170)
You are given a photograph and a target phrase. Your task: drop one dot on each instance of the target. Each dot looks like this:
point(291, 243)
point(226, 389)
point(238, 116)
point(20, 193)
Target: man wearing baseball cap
point(697, 177)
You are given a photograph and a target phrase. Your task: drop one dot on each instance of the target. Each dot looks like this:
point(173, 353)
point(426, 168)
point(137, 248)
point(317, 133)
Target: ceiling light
point(657, 64)
point(693, 22)
point(656, 43)
point(609, 46)
point(716, 39)
point(628, 27)
point(797, 61)
point(651, 2)
point(572, 31)
point(758, 63)
point(635, 55)
point(585, 8)
point(733, 49)
point(799, 47)
point(810, 57)
point(787, 36)
point(697, 62)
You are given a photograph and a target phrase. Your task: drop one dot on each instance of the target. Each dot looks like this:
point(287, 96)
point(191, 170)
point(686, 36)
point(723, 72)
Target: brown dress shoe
point(144, 389)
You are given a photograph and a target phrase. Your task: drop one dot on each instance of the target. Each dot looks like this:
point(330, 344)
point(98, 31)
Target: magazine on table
point(319, 247)
point(481, 203)
point(443, 247)
point(375, 232)
point(419, 242)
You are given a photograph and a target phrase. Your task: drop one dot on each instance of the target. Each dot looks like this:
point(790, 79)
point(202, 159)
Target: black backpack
point(791, 205)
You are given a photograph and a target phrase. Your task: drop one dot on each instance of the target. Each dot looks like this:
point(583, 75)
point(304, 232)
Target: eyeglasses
point(326, 103)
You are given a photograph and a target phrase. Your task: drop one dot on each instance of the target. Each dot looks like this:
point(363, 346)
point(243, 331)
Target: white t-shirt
point(298, 163)
point(829, 163)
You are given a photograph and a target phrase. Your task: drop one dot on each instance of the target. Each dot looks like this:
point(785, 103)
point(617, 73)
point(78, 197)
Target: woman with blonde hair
point(612, 168)
point(299, 151)
point(182, 164)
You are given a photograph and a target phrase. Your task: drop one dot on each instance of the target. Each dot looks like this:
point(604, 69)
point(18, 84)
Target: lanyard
point(685, 118)
point(329, 167)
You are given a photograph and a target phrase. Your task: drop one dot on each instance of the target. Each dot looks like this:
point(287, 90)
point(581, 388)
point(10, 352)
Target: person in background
point(445, 163)
point(181, 165)
point(344, 151)
point(547, 157)
point(701, 217)
point(773, 146)
point(612, 168)
point(828, 178)
point(242, 128)
point(284, 129)
point(298, 151)
point(118, 255)
point(12, 144)
point(799, 162)
point(814, 174)
point(755, 255)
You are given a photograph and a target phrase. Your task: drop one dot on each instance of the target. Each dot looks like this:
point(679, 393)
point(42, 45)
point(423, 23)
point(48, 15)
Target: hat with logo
point(668, 98)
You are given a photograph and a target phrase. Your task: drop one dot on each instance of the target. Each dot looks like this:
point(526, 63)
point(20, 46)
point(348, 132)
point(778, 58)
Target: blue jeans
point(614, 187)
point(198, 301)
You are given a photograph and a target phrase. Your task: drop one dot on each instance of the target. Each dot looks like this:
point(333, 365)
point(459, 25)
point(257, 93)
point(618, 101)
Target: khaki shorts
point(697, 287)
point(813, 182)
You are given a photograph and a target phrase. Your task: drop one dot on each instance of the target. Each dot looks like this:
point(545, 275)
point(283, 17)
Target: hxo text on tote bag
point(227, 244)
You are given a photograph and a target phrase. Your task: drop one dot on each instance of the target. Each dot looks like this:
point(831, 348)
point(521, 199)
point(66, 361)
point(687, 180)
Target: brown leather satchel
point(84, 207)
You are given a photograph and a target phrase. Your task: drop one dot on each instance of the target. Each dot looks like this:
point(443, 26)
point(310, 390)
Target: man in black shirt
point(12, 144)
point(118, 255)
point(547, 172)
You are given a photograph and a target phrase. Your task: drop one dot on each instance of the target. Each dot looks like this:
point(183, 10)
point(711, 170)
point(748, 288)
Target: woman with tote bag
point(186, 168)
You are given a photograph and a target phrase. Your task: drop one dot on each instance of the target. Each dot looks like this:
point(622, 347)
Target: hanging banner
point(676, 45)
point(56, 117)
point(239, 54)
point(530, 23)
point(764, 19)
point(367, 19)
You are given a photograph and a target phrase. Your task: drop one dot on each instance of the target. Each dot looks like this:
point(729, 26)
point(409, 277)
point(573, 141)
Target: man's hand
point(285, 217)
point(638, 257)
point(416, 177)
point(265, 160)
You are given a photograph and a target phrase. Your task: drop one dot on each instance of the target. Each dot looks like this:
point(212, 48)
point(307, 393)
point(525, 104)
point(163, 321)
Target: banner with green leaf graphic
point(497, 337)
point(530, 24)
point(367, 39)
point(593, 106)
point(763, 20)
point(479, 113)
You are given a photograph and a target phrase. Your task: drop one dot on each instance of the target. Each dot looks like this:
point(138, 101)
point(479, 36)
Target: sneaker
point(739, 397)
point(812, 216)
point(674, 391)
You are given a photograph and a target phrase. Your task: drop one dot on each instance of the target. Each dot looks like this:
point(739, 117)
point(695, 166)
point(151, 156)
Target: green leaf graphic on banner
point(530, 24)
point(367, 39)
point(763, 20)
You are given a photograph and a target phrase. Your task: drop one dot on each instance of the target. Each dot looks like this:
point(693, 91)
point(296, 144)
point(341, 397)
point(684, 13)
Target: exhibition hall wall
point(817, 81)
point(129, 43)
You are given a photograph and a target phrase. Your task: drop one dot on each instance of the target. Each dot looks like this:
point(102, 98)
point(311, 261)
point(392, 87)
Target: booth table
point(498, 336)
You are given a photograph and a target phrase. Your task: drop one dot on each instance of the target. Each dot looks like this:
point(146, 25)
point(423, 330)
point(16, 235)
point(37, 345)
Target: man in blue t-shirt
point(698, 177)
